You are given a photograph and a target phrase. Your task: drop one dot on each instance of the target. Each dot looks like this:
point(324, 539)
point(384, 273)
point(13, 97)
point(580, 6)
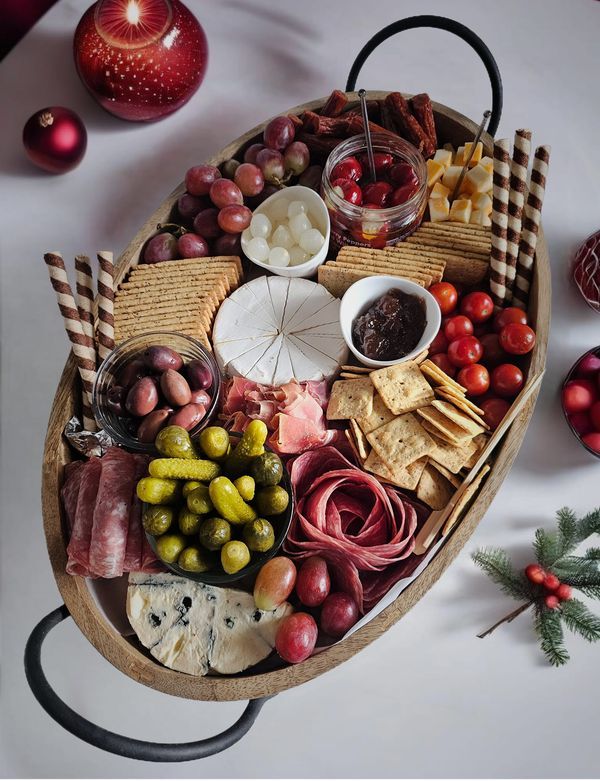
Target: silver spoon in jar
point(362, 94)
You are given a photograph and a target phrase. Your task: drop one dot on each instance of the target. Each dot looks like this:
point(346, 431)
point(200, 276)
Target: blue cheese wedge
point(197, 629)
point(257, 329)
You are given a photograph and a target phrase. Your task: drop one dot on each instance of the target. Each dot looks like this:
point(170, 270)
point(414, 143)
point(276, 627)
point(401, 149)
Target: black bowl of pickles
point(217, 506)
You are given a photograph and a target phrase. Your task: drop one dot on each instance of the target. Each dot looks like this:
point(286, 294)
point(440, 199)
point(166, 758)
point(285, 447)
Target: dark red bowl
point(571, 376)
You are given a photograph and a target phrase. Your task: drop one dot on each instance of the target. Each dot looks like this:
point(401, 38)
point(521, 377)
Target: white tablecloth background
point(428, 698)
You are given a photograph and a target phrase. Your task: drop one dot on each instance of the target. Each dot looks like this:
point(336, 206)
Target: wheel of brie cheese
point(275, 329)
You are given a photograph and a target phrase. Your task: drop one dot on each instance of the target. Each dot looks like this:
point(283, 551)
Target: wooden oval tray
point(126, 653)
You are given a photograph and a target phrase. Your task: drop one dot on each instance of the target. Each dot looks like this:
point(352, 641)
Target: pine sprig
point(554, 552)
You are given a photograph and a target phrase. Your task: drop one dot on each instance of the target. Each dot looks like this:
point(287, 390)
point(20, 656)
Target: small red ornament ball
point(55, 139)
point(551, 602)
point(563, 592)
point(535, 573)
point(551, 582)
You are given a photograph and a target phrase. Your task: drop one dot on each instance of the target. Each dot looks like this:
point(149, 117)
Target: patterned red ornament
point(140, 59)
point(586, 270)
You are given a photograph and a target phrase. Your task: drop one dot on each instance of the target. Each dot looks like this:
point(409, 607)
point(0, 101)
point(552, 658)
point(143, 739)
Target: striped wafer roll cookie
point(80, 343)
point(531, 223)
point(499, 221)
point(106, 298)
point(516, 201)
point(85, 294)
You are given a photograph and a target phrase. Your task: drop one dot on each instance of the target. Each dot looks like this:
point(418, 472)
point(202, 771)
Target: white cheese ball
point(260, 226)
point(282, 237)
point(311, 241)
point(279, 256)
point(278, 210)
point(299, 224)
point(296, 207)
point(298, 256)
point(258, 249)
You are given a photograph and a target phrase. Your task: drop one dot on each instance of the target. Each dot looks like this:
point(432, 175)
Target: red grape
point(251, 152)
point(234, 219)
point(581, 422)
point(588, 365)
point(255, 200)
point(274, 583)
point(271, 164)
point(190, 245)
point(592, 440)
point(338, 614)
point(578, 396)
point(249, 179)
point(296, 637)
point(312, 583)
point(595, 415)
point(188, 206)
point(206, 223)
point(229, 168)
point(199, 179)
point(279, 133)
point(160, 247)
point(312, 177)
point(296, 157)
point(228, 244)
point(224, 192)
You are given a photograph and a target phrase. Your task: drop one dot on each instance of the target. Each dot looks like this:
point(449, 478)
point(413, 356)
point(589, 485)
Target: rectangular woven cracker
point(182, 264)
point(402, 387)
point(416, 274)
point(338, 280)
point(401, 441)
point(350, 399)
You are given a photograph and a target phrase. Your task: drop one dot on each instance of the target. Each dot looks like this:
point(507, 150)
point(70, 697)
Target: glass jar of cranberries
point(374, 214)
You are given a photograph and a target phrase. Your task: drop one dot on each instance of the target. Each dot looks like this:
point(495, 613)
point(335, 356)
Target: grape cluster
point(217, 205)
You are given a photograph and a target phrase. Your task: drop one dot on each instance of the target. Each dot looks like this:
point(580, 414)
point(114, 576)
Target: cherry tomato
point(581, 422)
point(507, 380)
point(493, 354)
point(511, 314)
point(439, 344)
point(477, 306)
point(494, 409)
point(475, 378)
point(458, 326)
point(592, 441)
point(441, 360)
point(578, 396)
point(463, 351)
point(446, 296)
point(517, 339)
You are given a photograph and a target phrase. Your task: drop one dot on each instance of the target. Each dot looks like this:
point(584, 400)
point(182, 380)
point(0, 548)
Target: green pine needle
point(498, 567)
point(549, 629)
point(580, 620)
point(592, 554)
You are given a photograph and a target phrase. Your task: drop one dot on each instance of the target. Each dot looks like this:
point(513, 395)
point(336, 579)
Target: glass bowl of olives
point(153, 380)
point(217, 506)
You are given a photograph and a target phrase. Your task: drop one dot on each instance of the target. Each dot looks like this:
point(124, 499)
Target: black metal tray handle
point(110, 741)
point(198, 749)
point(440, 23)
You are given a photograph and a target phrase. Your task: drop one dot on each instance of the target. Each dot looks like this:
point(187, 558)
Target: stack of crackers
point(177, 295)
point(465, 247)
point(410, 425)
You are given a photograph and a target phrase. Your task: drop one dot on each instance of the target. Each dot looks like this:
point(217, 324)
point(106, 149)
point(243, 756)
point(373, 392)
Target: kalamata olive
point(198, 374)
point(175, 388)
point(131, 373)
point(159, 358)
point(187, 417)
point(200, 396)
point(152, 424)
point(142, 397)
point(115, 399)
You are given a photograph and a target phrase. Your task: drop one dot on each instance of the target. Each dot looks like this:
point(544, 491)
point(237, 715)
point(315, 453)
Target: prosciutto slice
point(364, 529)
point(111, 513)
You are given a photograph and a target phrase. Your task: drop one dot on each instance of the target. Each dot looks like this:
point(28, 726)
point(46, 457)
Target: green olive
point(192, 559)
point(234, 556)
point(169, 546)
point(259, 535)
point(188, 522)
point(214, 533)
point(157, 519)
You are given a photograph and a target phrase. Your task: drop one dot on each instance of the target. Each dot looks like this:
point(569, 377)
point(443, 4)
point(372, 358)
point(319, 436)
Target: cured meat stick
point(81, 344)
point(516, 200)
point(423, 111)
point(85, 294)
point(531, 223)
point(407, 124)
point(499, 221)
point(335, 104)
point(106, 299)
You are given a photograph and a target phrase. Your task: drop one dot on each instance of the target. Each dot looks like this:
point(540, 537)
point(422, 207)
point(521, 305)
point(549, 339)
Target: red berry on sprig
point(551, 582)
point(564, 592)
point(535, 573)
point(551, 601)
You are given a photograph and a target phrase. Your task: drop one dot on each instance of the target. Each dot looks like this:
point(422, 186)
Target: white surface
point(428, 698)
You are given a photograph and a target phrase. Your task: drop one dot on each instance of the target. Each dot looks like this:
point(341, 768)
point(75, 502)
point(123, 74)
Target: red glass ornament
point(55, 139)
point(140, 59)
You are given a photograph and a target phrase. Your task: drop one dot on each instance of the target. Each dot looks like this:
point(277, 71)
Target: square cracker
point(402, 387)
point(405, 477)
point(445, 425)
point(380, 415)
point(480, 441)
point(456, 481)
point(350, 399)
point(434, 489)
point(356, 369)
point(439, 377)
point(401, 441)
point(362, 444)
point(458, 417)
point(453, 457)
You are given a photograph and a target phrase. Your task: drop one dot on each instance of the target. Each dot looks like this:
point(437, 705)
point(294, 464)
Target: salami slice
point(111, 514)
point(135, 532)
point(81, 533)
